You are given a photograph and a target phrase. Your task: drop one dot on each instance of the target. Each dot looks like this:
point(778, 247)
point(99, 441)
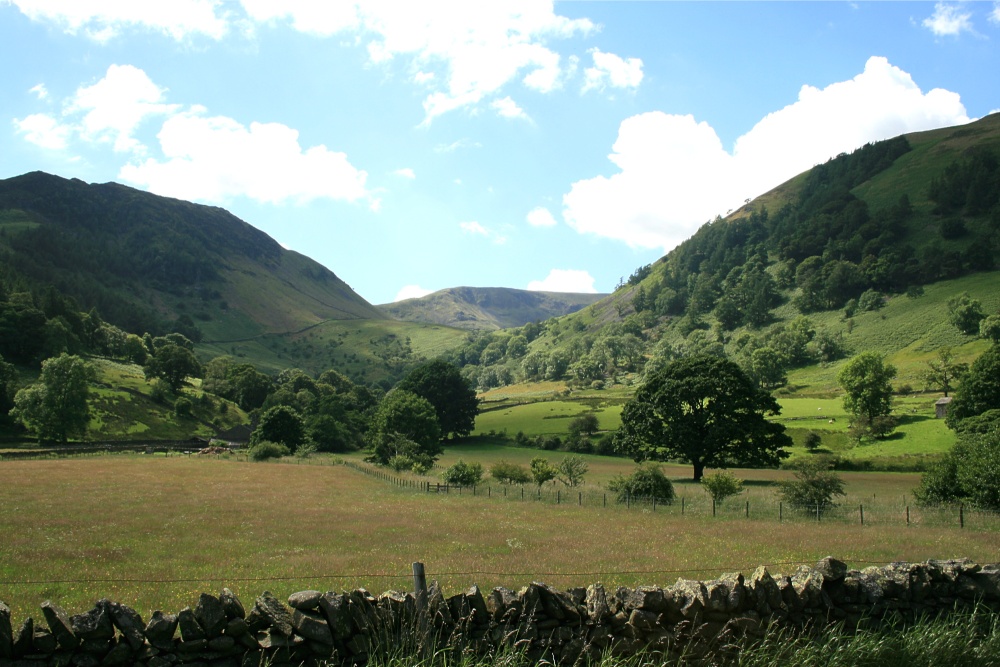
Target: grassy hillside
point(487, 308)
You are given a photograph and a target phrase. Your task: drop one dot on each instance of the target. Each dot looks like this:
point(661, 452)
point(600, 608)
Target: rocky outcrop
point(561, 626)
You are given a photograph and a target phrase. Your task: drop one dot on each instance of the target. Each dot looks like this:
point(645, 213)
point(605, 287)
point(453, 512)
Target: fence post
point(605, 500)
point(522, 493)
point(628, 499)
point(654, 503)
point(682, 505)
point(713, 506)
point(558, 497)
point(779, 512)
point(862, 509)
point(748, 509)
point(581, 499)
point(817, 512)
point(961, 515)
point(420, 594)
point(907, 515)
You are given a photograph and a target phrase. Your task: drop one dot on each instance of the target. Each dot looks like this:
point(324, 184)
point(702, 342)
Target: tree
point(814, 487)
point(8, 387)
point(965, 313)
point(454, 401)
point(866, 381)
point(646, 481)
point(410, 417)
point(506, 472)
point(542, 471)
point(722, 485)
point(571, 470)
point(944, 370)
point(461, 473)
point(704, 411)
point(56, 407)
point(585, 424)
point(969, 472)
point(766, 367)
point(280, 424)
point(173, 363)
point(980, 388)
point(989, 328)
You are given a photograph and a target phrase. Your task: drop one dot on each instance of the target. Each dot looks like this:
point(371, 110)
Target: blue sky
point(414, 146)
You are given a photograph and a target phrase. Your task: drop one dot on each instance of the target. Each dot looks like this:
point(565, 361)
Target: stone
point(475, 601)
point(312, 626)
point(59, 623)
point(95, 646)
point(231, 604)
point(499, 601)
point(44, 641)
point(833, 570)
point(94, 624)
point(236, 628)
point(276, 613)
point(305, 600)
point(23, 638)
point(692, 597)
point(738, 598)
point(647, 598)
point(6, 633)
point(191, 630)
point(808, 586)
point(641, 620)
point(211, 615)
point(988, 581)
point(129, 623)
point(85, 660)
point(221, 644)
point(334, 608)
point(764, 591)
point(596, 603)
point(161, 627)
point(120, 654)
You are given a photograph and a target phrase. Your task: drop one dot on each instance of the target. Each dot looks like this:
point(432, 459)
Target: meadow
point(154, 532)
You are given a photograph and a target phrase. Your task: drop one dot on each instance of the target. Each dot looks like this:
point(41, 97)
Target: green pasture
point(154, 532)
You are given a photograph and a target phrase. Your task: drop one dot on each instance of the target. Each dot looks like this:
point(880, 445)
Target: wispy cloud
point(949, 20)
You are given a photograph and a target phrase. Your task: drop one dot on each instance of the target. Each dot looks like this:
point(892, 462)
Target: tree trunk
point(699, 470)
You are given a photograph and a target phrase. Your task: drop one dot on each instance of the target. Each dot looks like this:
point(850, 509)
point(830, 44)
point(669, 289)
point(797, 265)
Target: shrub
point(814, 486)
point(159, 390)
point(813, 441)
point(306, 449)
point(970, 472)
point(722, 485)
point(542, 471)
point(182, 407)
point(571, 470)
point(506, 472)
point(646, 481)
point(463, 474)
point(265, 449)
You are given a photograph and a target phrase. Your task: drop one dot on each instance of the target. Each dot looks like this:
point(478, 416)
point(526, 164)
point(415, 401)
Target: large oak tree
point(705, 411)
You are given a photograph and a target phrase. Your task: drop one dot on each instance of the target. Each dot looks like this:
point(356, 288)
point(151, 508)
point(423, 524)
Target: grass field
point(155, 532)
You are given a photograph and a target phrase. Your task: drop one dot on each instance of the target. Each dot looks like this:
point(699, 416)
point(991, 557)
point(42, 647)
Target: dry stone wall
point(313, 627)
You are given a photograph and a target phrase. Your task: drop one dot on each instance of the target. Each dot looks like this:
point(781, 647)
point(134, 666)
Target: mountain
point(151, 263)
point(487, 308)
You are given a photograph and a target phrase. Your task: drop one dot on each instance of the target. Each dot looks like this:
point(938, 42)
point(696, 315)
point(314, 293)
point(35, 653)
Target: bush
point(646, 481)
point(265, 449)
point(814, 485)
point(506, 472)
point(542, 471)
point(306, 449)
point(463, 474)
point(571, 470)
point(182, 407)
point(813, 441)
point(722, 485)
point(970, 472)
point(159, 390)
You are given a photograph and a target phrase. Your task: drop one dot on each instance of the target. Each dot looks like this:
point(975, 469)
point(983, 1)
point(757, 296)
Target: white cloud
point(455, 145)
point(477, 229)
point(612, 70)
point(540, 217)
point(411, 292)
point(215, 158)
point(40, 91)
point(114, 107)
point(43, 130)
point(565, 280)
point(405, 172)
point(102, 20)
point(995, 14)
point(508, 108)
point(948, 20)
point(473, 48)
point(673, 173)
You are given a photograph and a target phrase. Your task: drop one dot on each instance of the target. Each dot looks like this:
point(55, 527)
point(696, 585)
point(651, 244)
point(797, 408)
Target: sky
point(415, 146)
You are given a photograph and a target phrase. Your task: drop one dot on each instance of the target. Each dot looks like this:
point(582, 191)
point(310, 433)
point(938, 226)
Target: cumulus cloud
point(102, 20)
point(114, 107)
point(948, 20)
point(508, 108)
point(467, 50)
point(673, 173)
point(411, 292)
point(40, 91)
point(43, 130)
point(612, 70)
point(540, 217)
point(565, 280)
point(213, 158)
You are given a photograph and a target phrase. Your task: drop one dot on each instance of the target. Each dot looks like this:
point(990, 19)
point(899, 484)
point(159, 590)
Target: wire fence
point(764, 506)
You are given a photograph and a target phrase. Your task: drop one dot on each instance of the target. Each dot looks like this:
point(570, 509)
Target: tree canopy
point(980, 388)
point(705, 411)
point(56, 407)
point(172, 363)
point(868, 391)
point(454, 401)
point(404, 425)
